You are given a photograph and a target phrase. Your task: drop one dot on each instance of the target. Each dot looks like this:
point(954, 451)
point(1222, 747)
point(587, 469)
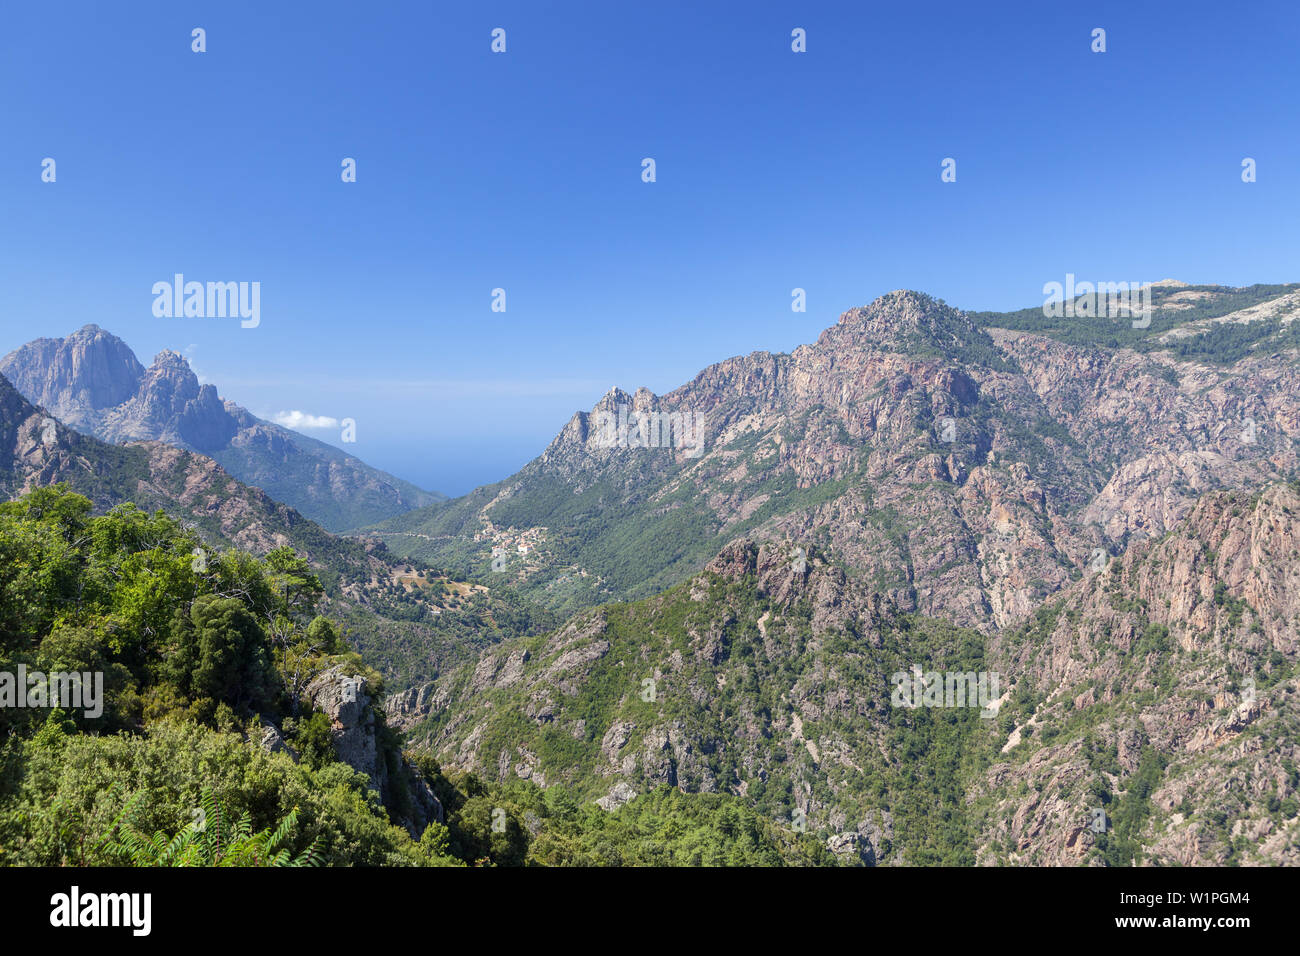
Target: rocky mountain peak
point(169, 383)
point(92, 382)
point(90, 369)
point(583, 431)
point(169, 358)
point(889, 302)
point(905, 321)
point(610, 401)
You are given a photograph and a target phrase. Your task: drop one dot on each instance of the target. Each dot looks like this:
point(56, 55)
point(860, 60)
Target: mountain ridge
point(92, 381)
point(970, 469)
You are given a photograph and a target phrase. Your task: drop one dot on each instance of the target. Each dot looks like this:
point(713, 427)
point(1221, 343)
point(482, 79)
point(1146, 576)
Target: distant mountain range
point(93, 382)
point(718, 590)
point(413, 622)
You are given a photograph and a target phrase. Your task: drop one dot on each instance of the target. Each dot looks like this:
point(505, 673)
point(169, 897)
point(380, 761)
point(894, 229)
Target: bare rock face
point(618, 795)
point(273, 742)
point(343, 698)
point(165, 392)
point(1202, 627)
point(92, 381)
point(851, 846)
point(410, 706)
point(172, 406)
point(73, 378)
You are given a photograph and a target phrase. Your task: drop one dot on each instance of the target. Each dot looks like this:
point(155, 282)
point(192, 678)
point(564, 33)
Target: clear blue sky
point(523, 171)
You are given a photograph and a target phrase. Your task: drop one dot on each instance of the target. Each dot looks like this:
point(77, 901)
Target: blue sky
point(522, 170)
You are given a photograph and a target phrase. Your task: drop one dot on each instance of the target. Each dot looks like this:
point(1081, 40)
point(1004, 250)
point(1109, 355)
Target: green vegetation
point(200, 652)
point(664, 827)
point(213, 838)
point(1120, 844)
point(1109, 332)
point(728, 689)
point(1226, 343)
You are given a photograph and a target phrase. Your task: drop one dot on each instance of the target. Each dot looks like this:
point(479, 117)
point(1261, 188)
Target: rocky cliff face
point(342, 697)
point(969, 473)
point(1185, 647)
point(75, 377)
point(345, 700)
point(1162, 432)
point(170, 405)
point(1160, 690)
point(1110, 530)
point(92, 382)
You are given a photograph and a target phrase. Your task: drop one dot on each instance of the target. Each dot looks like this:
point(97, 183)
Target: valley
point(648, 628)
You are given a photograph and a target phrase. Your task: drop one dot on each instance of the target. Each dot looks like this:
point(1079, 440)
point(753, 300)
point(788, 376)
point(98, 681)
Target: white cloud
point(190, 352)
point(297, 419)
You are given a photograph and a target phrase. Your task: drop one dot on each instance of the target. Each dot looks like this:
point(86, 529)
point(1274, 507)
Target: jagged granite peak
point(173, 404)
point(168, 383)
point(582, 430)
point(92, 381)
point(74, 377)
point(908, 322)
point(900, 322)
point(170, 358)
